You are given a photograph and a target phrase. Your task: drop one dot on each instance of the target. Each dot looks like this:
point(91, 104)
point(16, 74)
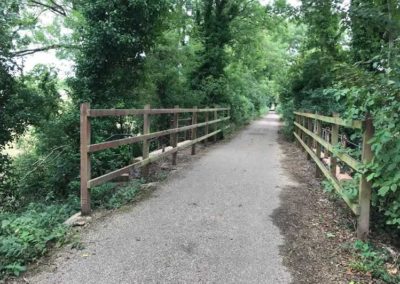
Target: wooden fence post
point(302, 118)
point(365, 186)
point(318, 172)
point(215, 124)
point(326, 138)
point(334, 142)
point(309, 138)
point(194, 130)
point(146, 146)
point(206, 130)
point(299, 131)
point(225, 123)
point(174, 137)
point(296, 129)
point(85, 159)
point(303, 135)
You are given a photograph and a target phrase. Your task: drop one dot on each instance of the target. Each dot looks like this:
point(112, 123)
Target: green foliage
point(376, 261)
point(24, 100)
point(111, 196)
point(349, 189)
point(364, 92)
point(349, 64)
point(136, 54)
point(26, 235)
point(286, 110)
point(236, 58)
point(117, 35)
point(374, 24)
point(322, 18)
point(126, 54)
point(124, 195)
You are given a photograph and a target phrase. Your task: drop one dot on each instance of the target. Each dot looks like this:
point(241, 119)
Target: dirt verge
point(319, 229)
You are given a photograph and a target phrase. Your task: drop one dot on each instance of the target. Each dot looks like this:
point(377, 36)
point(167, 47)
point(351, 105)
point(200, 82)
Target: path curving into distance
point(209, 223)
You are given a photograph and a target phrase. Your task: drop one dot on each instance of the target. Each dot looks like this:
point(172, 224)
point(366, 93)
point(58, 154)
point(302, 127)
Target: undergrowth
point(376, 262)
point(349, 189)
point(27, 235)
point(30, 233)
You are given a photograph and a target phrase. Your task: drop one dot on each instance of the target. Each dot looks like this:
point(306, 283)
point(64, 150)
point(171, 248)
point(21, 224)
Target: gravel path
point(210, 223)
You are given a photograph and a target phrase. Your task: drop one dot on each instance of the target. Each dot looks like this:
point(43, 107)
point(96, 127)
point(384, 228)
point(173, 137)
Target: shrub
point(27, 235)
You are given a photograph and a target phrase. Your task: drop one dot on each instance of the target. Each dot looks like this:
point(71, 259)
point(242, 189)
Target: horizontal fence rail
point(356, 124)
point(321, 144)
point(125, 112)
point(145, 137)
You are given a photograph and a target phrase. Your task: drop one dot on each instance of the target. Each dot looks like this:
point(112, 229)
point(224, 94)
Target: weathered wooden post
point(194, 130)
point(326, 138)
point(146, 146)
point(309, 138)
point(334, 142)
point(300, 132)
point(226, 123)
point(225, 113)
point(206, 130)
point(296, 129)
point(300, 118)
point(318, 172)
point(303, 135)
point(85, 158)
point(365, 186)
point(215, 124)
point(174, 136)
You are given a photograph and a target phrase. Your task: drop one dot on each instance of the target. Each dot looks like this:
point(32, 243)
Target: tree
point(21, 104)
point(116, 39)
point(214, 18)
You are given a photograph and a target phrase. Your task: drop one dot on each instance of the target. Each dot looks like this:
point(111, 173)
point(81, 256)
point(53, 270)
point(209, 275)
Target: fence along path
point(87, 181)
point(308, 132)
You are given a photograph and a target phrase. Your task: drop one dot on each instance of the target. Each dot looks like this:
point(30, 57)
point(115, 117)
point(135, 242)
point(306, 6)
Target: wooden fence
point(308, 132)
point(212, 116)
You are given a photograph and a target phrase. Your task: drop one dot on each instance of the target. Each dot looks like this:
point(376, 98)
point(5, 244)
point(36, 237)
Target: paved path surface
point(210, 223)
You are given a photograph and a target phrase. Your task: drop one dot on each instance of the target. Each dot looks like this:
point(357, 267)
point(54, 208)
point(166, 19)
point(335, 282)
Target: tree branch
point(25, 52)
point(55, 8)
